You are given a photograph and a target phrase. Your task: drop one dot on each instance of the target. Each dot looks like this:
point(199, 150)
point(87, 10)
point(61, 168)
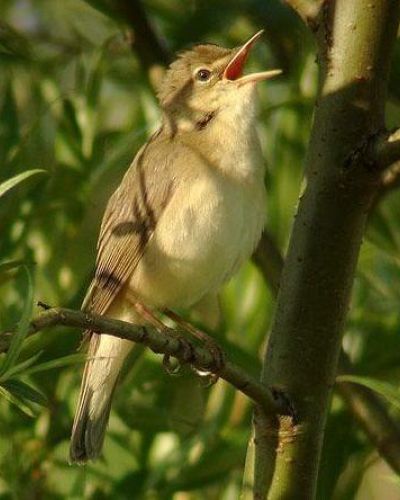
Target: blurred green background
point(77, 101)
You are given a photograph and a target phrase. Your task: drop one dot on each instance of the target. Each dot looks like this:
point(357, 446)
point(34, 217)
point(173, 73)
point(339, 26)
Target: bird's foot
point(218, 357)
point(174, 368)
point(148, 316)
point(171, 367)
point(207, 379)
point(217, 354)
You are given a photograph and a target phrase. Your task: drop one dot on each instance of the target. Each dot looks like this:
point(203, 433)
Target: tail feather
point(106, 355)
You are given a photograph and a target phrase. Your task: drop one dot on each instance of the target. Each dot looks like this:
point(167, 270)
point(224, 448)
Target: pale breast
point(209, 228)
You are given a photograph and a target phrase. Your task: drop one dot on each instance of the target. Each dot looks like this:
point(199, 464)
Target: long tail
point(106, 355)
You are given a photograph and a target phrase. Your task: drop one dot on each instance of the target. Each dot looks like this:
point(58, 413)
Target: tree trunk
point(355, 41)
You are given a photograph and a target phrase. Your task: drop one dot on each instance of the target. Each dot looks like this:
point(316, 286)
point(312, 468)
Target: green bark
point(355, 41)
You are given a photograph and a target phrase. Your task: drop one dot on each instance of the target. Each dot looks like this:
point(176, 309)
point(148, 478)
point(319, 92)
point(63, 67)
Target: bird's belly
point(202, 238)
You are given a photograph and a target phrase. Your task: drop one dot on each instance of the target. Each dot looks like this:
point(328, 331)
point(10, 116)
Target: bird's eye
point(203, 75)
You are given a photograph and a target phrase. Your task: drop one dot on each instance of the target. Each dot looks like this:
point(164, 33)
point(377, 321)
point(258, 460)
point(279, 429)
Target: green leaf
point(21, 368)
point(14, 181)
point(388, 391)
point(10, 264)
point(72, 359)
point(24, 392)
point(94, 82)
point(13, 44)
point(11, 134)
point(22, 329)
point(8, 396)
point(71, 124)
point(216, 462)
point(105, 8)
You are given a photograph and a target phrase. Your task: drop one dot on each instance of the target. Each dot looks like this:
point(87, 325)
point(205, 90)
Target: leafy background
point(76, 102)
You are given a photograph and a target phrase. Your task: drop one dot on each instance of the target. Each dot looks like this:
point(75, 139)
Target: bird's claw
point(210, 378)
point(170, 367)
point(187, 355)
point(187, 349)
point(207, 379)
point(217, 355)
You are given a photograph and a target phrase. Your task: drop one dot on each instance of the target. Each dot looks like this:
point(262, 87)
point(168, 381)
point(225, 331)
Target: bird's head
point(208, 80)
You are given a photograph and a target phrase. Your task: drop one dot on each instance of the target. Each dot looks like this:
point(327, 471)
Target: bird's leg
point(152, 320)
point(149, 316)
point(208, 341)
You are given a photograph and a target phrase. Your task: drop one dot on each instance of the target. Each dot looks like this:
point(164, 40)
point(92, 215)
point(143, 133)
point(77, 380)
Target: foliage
point(75, 103)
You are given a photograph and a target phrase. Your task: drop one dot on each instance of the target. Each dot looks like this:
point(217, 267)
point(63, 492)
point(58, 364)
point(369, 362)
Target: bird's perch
point(355, 42)
point(170, 342)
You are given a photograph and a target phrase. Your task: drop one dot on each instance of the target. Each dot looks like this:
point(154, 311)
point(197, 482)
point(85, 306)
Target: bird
point(188, 212)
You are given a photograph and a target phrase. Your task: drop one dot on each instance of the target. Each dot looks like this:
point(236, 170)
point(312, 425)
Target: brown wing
point(129, 221)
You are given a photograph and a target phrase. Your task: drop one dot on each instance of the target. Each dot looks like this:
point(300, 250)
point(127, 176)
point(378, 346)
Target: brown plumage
point(187, 213)
point(128, 223)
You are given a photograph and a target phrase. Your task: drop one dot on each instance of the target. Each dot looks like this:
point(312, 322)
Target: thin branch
point(385, 155)
point(169, 342)
point(268, 258)
point(307, 9)
point(146, 43)
point(387, 149)
point(391, 178)
point(390, 181)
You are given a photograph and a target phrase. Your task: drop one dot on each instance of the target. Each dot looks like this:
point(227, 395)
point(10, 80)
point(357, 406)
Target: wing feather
point(128, 224)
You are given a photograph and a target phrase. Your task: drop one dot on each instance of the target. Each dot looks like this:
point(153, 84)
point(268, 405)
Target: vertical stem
point(355, 43)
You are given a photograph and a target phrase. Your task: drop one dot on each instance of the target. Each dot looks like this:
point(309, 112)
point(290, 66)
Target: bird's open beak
point(234, 69)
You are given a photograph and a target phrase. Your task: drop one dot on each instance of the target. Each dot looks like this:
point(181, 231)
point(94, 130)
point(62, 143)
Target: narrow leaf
point(22, 329)
point(56, 363)
point(13, 44)
point(17, 179)
point(71, 121)
point(16, 402)
point(388, 391)
point(21, 368)
point(9, 265)
point(24, 392)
